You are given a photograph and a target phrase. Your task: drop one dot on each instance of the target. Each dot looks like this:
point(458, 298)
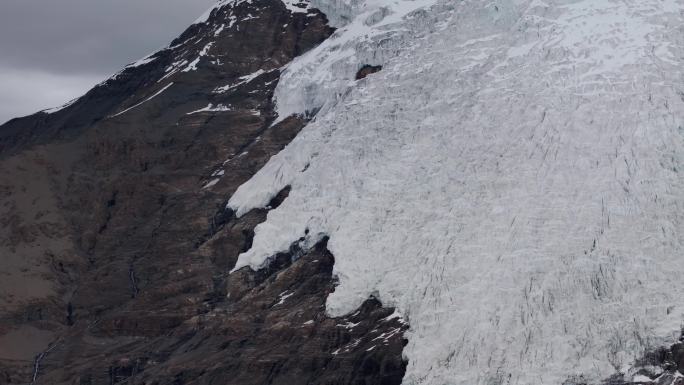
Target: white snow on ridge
point(63, 106)
point(511, 181)
point(221, 3)
point(210, 108)
point(294, 6)
point(246, 79)
point(204, 52)
point(147, 59)
point(166, 87)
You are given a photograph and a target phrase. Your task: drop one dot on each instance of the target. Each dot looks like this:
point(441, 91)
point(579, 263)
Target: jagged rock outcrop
point(662, 366)
point(367, 70)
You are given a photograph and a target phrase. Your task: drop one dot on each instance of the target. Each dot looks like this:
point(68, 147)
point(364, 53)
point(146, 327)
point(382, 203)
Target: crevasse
point(511, 181)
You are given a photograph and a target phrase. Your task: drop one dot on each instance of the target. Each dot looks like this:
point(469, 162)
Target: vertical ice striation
point(511, 181)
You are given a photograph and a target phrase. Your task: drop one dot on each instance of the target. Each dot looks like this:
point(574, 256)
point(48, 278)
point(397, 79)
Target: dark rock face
point(367, 70)
point(117, 245)
point(261, 338)
point(663, 366)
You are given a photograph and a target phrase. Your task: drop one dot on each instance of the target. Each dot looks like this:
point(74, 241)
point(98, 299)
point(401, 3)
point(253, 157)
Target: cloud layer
point(53, 51)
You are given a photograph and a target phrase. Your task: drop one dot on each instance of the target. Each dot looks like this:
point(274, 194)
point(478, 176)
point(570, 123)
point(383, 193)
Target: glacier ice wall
point(511, 182)
point(368, 34)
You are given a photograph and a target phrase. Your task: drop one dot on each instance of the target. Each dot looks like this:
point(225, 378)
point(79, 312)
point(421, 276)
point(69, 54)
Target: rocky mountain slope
point(116, 244)
point(359, 192)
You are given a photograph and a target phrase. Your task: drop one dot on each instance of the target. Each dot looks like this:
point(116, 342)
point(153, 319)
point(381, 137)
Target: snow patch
point(348, 325)
point(205, 16)
point(147, 59)
point(204, 52)
point(211, 108)
point(211, 183)
point(242, 80)
point(283, 297)
point(641, 378)
point(144, 101)
point(294, 6)
point(63, 106)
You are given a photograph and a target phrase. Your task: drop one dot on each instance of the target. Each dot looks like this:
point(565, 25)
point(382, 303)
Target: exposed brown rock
point(114, 221)
point(367, 70)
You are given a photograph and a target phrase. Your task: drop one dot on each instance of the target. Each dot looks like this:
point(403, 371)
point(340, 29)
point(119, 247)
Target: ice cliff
point(511, 180)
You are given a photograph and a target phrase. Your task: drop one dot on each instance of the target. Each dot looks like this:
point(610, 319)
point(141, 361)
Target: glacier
point(511, 181)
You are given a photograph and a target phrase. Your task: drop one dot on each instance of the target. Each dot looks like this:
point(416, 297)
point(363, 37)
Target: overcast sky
point(52, 51)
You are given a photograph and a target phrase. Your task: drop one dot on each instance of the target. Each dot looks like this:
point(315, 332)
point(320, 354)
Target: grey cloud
point(25, 91)
point(51, 49)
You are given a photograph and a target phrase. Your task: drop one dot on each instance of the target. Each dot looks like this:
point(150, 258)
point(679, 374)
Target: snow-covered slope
point(511, 181)
point(369, 34)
